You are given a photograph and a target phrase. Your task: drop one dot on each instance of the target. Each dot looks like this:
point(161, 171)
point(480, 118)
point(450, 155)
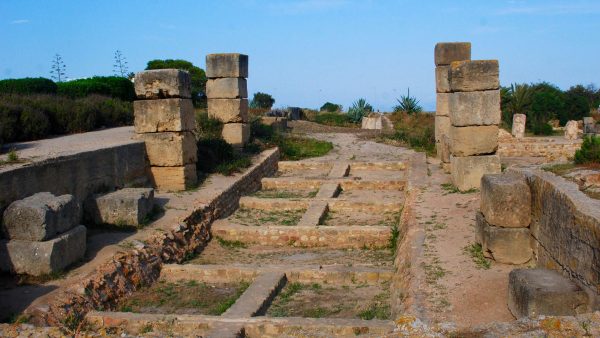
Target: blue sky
point(306, 52)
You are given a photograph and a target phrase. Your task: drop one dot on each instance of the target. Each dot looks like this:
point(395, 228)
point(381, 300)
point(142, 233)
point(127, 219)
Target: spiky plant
point(358, 110)
point(408, 104)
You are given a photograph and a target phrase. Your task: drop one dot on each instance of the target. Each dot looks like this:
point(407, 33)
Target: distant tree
point(262, 100)
point(58, 70)
point(197, 74)
point(120, 66)
point(331, 107)
point(515, 99)
point(408, 104)
point(358, 110)
point(547, 102)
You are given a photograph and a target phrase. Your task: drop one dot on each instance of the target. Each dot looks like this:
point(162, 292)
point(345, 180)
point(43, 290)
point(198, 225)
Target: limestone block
point(442, 79)
point(518, 125)
point(163, 83)
point(537, 292)
point(475, 140)
point(589, 125)
point(506, 200)
point(228, 110)
point(226, 88)
point(475, 108)
point(447, 167)
point(571, 130)
point(279, 123)
point(226, 65)
point(442, 127)
point(153, 116)
point(39, 258)
point(174, 178)
point(372, 122)
point(171, 149)
point(445, 150)
point(442, 104)
point(236, 134)
point(504, 245)
point(40, 217)
point(129, 206)
point(447, 52)
point(470, 76)
point(467, 171)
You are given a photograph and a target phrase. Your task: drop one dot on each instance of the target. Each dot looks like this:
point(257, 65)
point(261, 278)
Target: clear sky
point(306, 52)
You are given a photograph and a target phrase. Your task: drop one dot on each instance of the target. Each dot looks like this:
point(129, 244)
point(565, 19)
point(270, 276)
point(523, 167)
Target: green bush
point(331, 107)
point(415, 130)
point(589, 152)
point(262, 100)
point(34, 123)
point(333, 119)
point(9, 123)
point(359, 110)
point(212, 152)
point(208, 128)
point(28, 85)
point(113, 86)
point(543, 129)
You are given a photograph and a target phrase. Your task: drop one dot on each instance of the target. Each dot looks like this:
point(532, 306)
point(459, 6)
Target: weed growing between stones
point(289, 194)
point(560, 168)
point(476, 252)
point(379, 309)
point(450, 188)
point(231, 244)
point(11, 158)
point(394, 237)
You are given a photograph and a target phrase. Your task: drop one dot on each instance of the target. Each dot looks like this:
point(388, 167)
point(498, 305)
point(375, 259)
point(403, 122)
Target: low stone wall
point(552, 148)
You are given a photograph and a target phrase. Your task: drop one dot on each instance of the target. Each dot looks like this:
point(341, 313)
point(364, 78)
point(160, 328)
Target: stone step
point(273, 203)
point(335, 204)
point(329, 190)
point(271, 183)
point(315, 214)
point(341, 169)
point(255, 300)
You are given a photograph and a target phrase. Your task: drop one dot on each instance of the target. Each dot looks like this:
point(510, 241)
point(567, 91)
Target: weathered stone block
point(226, 88)
point(39, 258)
point(442, 79)
point(226, 65)
point(228, 110)
point(518, 125)
point(470, 76)
point(373, 121)
point(537, 292)
point(475, 140)
point(475, 108)
point(447, 52)
point(171, 149)
point(236, 134)
point(162, 84)
point(504, 245)
point(467, 171)
point(174, 178)
point(506, 200)
point(442, 127)
point(571, 130)
point(153, 116)
point(444, 154)
point(40, 217)
point(129, 206)
point(279, 123)
point(442, 104)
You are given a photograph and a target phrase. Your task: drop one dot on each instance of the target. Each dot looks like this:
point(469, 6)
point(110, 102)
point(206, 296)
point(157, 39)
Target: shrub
point(262, 100)
point(542, 129)
point(331, 107)
point(28, 85)
point(34, 123)
point(212, 152)
point(408, 104)
point(359, 110)
point(417, 130)
point(206, 127)
point(113, 86)
point(9, 123)
point(589, 152)
point(334, 119)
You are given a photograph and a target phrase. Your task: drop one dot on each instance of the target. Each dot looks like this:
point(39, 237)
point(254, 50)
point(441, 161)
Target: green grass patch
point(299, 148)
point(231, 244)
point(394, 237)
point(335, 119)
point(450, 188)
point(559, 169)
point(476, 252)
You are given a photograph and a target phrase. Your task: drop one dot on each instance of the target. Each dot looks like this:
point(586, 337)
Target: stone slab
point(537, 292)
point(442, 104)
point(227, 88)
point(447, 52)
point(162, 115)
point(506, 200)
point(480, 108)
point(174, 178)
point(444, 148)
point(171, 149)
point(315, 214)
point(228, 110)
point(372, 122)
point(255, 300)
point(504, 245)
point(474, 140)
point(442, 127)
point(518, 125)
point(442, 79)
point(40, 217)
point(339, 170)
point(467, 171)
point(129, 206)
point(469, 76)
point(328, 190)
point(571, 130)
point(163, 83)
point(226, 65)
point(236, 134)
point(40, 258)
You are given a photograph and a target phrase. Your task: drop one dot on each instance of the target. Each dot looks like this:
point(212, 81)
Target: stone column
point(518, 125)
point(164, 118)
point(445, 54)
point(474, 110)
point(227, 94)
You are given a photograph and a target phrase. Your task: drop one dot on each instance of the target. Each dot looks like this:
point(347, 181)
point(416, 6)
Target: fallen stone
point(39, 258)
point(518, 125)
point(475, 108)
point(236, 134)
point(40, 217)
point(442, 79)
point(571, 130)
point(447, 52)
point(474, 140)
point(467, 171)
point(226, 88)
point(153, 116)
point(442, 104)
point(228, 110)
point(129, 206)
point(170, 149)
point(504, 245)
point(174, 178)
point(470, 76)
point(541, 292)
point(506, 200)
point(162, 84)
point(226, 65)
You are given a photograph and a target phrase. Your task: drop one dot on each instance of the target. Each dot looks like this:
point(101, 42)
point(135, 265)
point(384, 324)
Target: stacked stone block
point(227, 93)
point(445, 54)
point(164, 118)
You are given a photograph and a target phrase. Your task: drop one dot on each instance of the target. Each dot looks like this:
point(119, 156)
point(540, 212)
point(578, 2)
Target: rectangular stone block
point(541, 292)
point(39, 258)
point(444, 156)
point(475, 108)
point(162, 84)
point(469, 141)
point(40, 217)
point(129, 206)
point(161, 115)
point(442, 104)
point(171, 149)
point(504, 245)
point(506, 200)
point(236, 134)
point(174, 178)
point(442, 127)
point(470, 76)
point(228, 110)
point(467, 171)
point(447, 52)
point(226, 65)
point(442, 79)
point(226, 88)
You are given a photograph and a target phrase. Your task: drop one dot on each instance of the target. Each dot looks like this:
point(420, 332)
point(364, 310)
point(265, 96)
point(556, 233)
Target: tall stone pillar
point(164, 118)
point(445, 54)
point(227, 93)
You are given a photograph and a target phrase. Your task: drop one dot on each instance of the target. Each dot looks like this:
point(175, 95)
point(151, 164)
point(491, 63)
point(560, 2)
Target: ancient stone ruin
point(518, 126)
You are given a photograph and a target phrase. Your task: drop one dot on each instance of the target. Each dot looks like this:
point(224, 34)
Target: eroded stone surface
point(129, 206)
point(226, 65)
point(163, 83)
point(447, 52)
point(518, 126)
point(442, 104)
point(506, 200)
point(442, 79)
point(228, 110)
point(480, 108)
point(469, 76)
point(504, 245)
point(467, 171)
point(571, 130)
point(153, 116)
point(174, 178)
point(171, 149)
point(236, 134)
point(227, 88)
point(473, 140)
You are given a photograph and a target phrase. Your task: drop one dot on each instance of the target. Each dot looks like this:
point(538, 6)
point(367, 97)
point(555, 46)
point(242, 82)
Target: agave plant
point(358, 110)
point(408, 104)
